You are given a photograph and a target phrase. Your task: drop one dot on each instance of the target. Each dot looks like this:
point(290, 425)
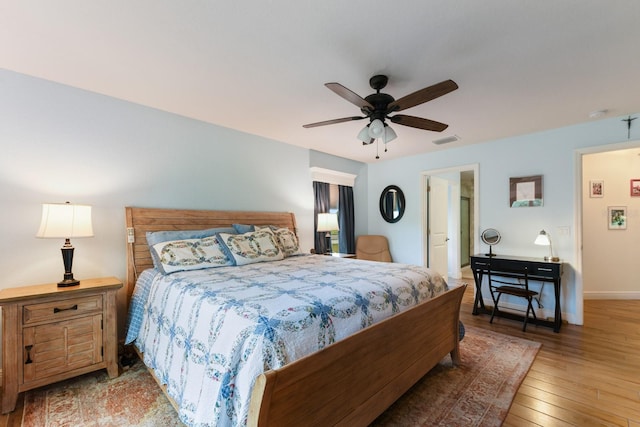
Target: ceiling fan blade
point(350, 96)
point(334, 121)
point(418, 122)
point(422, 96)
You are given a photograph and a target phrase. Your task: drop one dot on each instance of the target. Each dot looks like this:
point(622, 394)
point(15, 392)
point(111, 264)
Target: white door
point(437, 224)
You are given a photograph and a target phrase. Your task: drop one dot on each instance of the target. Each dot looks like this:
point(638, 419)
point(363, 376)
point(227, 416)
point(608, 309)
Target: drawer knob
point(58, 310)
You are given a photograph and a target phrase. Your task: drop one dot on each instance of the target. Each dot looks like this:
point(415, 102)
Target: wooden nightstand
point(50, 334)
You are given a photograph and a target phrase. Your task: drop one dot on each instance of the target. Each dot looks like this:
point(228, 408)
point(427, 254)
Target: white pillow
point(255, 246)
point(190, 254)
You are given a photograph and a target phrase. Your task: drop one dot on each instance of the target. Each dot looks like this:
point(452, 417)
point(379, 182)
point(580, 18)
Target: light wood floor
point(583, 376)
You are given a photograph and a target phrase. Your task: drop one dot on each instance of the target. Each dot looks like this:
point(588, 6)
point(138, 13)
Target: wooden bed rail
point(352, 382)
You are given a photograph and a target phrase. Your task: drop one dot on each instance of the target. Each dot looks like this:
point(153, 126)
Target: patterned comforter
point(209, 333)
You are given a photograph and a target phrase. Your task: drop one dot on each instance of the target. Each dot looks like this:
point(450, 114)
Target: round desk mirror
point(491, 237)
point(392, 203)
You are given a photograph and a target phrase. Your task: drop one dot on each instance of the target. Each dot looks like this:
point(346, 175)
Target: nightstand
point(50, 334)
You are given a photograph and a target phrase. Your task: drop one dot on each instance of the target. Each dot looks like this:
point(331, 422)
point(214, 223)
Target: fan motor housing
point(380, 101)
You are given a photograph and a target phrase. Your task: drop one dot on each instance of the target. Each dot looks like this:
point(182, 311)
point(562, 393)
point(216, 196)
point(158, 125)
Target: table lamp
point(328, 222)
point(544, 239)
point(64, 221)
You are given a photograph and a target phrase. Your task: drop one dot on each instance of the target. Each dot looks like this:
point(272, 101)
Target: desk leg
point(479, 301)
point(557, 321)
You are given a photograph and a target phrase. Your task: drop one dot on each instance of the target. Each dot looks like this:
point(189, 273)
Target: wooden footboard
point(352, 382)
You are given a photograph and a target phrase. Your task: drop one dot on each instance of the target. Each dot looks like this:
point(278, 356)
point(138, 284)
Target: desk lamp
point(328, 222)
point(63, 221)
point(544, 239)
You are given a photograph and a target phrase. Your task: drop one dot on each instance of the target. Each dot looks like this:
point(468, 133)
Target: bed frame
point(347, 383)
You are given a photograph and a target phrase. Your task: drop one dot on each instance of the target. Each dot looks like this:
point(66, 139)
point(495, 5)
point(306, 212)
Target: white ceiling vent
point(446, 140)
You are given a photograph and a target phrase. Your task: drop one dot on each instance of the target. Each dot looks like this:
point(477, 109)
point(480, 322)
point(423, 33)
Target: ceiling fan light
point(364, 135)
point(376, 129)
point(389, 134)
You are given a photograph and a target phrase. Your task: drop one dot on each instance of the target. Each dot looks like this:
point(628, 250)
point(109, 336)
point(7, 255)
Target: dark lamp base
point(68, 282)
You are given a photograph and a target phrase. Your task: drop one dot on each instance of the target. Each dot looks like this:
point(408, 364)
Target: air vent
point(446, 140)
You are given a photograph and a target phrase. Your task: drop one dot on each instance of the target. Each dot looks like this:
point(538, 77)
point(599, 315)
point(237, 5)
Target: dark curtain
point(346, 220)
point(321, 194)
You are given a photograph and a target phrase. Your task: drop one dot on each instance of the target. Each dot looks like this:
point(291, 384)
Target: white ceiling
point(260, 67)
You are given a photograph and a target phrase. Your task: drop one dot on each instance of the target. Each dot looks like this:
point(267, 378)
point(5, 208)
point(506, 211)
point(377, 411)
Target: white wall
point(609, 256)
point(551, 154)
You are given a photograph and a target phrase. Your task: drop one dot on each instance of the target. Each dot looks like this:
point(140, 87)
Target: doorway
point(461, 182)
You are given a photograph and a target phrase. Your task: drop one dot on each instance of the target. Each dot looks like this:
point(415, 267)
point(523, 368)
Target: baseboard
point(612, 295)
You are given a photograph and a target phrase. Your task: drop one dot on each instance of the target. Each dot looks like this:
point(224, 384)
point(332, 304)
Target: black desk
point(539, 270)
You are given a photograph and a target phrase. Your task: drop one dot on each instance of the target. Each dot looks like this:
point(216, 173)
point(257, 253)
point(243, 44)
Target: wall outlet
point(131, 238)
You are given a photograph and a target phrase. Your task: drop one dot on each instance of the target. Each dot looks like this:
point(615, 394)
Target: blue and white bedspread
point(209, 333)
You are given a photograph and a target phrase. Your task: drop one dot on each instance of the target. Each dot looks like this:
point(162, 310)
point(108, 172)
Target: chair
point(373, 248)
point(518, 286)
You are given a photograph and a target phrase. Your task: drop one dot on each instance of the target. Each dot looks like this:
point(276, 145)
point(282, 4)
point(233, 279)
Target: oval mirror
point(491, 237)
point(392, 203)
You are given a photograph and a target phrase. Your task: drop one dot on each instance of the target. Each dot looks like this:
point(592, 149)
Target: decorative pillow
point(190, 254)
point(252, 247)
point(286, 239)
point(155, 237)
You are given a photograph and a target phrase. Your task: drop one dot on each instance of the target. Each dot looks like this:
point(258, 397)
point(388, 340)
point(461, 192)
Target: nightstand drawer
point(61, 309)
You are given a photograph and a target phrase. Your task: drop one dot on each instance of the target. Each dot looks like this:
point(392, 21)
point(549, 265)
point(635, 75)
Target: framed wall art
point(635, 187)
point(617, 217)
point(596, 188)
point(525, 191)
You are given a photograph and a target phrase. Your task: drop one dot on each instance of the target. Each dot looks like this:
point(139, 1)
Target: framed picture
point(525, 191)
point(617, 217)
point(596, 188)
point(635, 187)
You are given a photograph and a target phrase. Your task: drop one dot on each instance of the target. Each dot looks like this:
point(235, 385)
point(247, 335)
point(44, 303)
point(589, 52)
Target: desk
point(540, 270)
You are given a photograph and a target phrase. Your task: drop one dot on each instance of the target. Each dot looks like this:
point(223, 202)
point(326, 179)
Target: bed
point(360, 353)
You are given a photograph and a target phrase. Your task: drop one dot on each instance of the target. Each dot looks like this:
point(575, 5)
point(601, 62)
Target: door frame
point(424, 208)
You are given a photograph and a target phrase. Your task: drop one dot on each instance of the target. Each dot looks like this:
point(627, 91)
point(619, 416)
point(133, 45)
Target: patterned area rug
point(478, 392)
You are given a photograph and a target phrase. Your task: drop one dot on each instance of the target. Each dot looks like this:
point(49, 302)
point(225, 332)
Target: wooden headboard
point(142, 220)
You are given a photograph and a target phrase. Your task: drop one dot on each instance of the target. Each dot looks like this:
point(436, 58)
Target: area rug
point(478, 392)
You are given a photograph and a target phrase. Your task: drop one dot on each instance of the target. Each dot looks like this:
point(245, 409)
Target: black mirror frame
point(401, 201)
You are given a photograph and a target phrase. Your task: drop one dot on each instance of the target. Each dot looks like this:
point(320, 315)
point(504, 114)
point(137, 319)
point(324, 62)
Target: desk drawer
point(545, 270)
point(61, 309)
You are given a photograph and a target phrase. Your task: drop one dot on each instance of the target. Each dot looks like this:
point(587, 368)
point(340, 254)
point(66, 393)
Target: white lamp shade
point(328, 222)
point(389, 134)
point(364, 135)
point(64, 220)
point(542, 239)
point(376, 129)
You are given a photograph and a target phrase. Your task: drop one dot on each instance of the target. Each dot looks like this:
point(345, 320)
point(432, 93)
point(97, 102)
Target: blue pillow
point(244, 228)
point(155, 237)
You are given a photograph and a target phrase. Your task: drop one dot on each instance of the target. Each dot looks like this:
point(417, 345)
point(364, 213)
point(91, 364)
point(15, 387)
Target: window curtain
point(321, 194)
point(346, 220)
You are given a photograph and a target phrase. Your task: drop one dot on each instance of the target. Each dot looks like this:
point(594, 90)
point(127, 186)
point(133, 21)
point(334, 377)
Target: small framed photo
point(617, 217)
point(596, 188)
point(635, 187)
point(525, 191)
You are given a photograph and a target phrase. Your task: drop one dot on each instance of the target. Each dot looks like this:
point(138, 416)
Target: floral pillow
point(252, 247)
point(190, 254)
point(287, 240)
point(155, 237)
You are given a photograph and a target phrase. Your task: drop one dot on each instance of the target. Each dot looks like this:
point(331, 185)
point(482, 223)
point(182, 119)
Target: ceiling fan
point(378, 106)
